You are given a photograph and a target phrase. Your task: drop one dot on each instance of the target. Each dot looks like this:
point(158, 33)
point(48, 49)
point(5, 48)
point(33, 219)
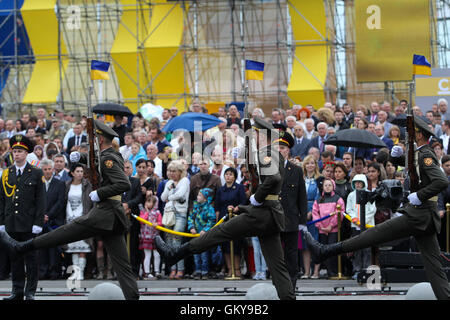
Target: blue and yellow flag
point(254, 70)
point(99, 70)
point(421, 65)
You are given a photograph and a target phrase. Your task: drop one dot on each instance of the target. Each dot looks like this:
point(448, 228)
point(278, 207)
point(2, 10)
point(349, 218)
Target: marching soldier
point(293, 200)
point(420, 217)
point(107, 219)
point(22, 207)
point(264, 218)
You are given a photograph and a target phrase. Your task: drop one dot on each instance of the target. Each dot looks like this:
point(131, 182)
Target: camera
point(388, 195)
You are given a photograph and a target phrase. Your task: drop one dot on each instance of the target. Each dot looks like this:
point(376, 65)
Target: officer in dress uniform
point(264, 218)
point(294, 203)
point(106, 219)
point(419, 217)
point(22, 207)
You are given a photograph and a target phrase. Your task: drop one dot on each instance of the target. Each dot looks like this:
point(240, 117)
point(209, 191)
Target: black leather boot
point(171, 255)
point(15, 296)
point(13, 246)
point(321, 252)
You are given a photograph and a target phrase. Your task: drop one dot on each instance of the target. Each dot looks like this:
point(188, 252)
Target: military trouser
point(260, 225)
point(29, 261)
point(427, 243)
point(115, 247)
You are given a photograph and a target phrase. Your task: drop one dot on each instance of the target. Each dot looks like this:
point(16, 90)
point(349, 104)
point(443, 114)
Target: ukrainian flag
point(99, 70)
point(421, 65)
point(254, 70)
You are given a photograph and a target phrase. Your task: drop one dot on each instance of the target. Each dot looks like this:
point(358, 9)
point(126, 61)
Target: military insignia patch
point(109, 164)
point(428, 161)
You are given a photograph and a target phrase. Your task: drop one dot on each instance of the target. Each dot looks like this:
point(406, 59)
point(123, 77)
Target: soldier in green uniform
point(264, 218)
point(22, 207)
point(420, 217)
point(107, 218)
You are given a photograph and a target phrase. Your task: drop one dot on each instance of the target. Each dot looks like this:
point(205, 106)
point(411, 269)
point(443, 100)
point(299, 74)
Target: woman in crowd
point(176, 197)
point(343, 186)
point(328, 170)
point(302, 115)
point(390, 170)
point(311, 174)
point(78, 204)
point(147, 183)
point(394, 134)
point(36, 156)
point(376, 174)
point(324, 206)
point(20, 127)
point(231, 194)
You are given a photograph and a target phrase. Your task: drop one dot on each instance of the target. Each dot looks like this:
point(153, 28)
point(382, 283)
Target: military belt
point(273, 197)
point(116, 197)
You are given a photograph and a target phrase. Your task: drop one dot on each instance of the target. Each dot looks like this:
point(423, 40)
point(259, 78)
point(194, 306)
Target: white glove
point(414, 199)
point(396, 151)
point(2, 228)
point(235, 152)
point(36, 230)
point(75, 156)
point(94, 196)
point(254, 202)
point(302, 227)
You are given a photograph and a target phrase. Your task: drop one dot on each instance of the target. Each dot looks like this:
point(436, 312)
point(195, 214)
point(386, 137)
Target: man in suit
point(318, 142)
point(374, 109)
point(383, 120)
point(59, 167)
point(55, 213)
point(77, 139)
point(22, 207)
point(294, 202)
point(264, 218)
point(419, 218)
point(130, 201)
point(106, 219)
point(379, 131)
point(301, 143)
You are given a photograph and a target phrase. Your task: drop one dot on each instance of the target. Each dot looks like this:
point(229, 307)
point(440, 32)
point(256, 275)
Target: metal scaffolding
point(217, 38)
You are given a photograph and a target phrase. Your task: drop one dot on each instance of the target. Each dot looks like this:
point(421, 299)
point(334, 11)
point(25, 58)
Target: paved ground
point(221, 290)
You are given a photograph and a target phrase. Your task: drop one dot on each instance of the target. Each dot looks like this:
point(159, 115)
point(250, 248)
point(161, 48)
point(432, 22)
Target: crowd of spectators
point(200, 190)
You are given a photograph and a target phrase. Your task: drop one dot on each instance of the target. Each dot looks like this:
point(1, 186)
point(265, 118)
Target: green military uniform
point(106, 219)
point(421, 221)
point(265, 221)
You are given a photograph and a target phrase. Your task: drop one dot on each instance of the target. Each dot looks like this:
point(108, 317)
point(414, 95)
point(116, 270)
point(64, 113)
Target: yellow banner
point(388, 33)
point(431, 87)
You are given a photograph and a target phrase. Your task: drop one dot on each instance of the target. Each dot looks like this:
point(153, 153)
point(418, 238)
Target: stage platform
point(220, 290)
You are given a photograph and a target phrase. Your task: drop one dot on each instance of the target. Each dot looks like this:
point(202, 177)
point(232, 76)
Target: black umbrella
point(113, 109)
point(355, 138)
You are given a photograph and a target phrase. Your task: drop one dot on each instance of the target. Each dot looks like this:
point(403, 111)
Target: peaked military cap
point(285, 138)
point(20, 141)
point(421, 125)
point(104, 130)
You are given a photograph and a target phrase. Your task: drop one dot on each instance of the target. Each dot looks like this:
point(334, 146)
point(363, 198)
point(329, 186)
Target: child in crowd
point(147, 236)
point(200, 220)
point(361, 258)
point(328, 228)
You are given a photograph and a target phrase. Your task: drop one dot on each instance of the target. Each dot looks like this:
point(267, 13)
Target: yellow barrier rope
point(357, 222)
point(183, 234)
